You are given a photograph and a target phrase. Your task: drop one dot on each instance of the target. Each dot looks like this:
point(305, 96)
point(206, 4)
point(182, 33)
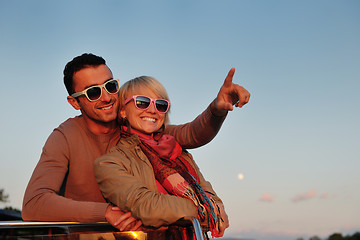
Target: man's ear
point(73, 102)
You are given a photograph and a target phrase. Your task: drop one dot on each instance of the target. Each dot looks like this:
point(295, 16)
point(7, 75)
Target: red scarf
point(175, 173)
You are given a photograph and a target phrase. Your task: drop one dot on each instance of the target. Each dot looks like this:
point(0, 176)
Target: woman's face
point(146, 121)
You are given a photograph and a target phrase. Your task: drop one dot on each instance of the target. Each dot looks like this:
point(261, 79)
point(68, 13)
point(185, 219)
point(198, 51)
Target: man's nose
point(105, 96)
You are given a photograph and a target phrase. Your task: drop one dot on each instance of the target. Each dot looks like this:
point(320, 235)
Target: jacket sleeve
point(198, 132)
point(42, 201)
point(128, 187)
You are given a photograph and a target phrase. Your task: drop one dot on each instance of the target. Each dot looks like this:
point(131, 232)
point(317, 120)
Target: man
point(63, 186)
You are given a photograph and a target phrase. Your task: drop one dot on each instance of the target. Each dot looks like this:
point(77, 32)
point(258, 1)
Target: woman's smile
point(147, 120)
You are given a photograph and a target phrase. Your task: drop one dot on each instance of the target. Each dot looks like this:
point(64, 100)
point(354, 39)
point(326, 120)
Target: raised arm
point(205, 127)
point(198, 132)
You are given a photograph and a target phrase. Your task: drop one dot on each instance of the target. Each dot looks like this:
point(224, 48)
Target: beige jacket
point(126, 178)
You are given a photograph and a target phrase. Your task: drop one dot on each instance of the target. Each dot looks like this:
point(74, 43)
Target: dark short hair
point(80, 62)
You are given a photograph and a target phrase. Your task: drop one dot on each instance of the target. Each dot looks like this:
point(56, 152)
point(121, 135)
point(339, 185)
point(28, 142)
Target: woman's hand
point(120, 220)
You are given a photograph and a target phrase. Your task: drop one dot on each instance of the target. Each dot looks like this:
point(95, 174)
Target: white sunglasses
point(94, 93)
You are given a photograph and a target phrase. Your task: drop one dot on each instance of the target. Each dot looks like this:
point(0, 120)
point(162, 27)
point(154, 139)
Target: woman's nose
point(152, 108)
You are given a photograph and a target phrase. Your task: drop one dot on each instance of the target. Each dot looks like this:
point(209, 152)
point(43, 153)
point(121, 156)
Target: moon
point(240, 176)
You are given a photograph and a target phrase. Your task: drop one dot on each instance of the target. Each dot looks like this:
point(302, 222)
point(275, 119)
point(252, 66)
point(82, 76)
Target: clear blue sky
point(297, 141)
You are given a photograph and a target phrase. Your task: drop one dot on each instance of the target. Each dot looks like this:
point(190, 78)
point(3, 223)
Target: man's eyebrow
point(86, 87)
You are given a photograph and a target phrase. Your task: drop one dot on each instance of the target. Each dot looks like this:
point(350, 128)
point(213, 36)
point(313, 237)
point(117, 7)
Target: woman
point(148, 173)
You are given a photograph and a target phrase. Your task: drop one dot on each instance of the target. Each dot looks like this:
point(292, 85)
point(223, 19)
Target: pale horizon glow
point(286, 165)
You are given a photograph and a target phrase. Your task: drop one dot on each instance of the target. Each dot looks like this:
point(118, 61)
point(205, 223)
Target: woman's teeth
point(148, 119)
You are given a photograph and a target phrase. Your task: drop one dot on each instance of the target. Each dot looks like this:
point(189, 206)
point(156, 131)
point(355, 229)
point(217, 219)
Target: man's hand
point(230, 94)
point(120, 220)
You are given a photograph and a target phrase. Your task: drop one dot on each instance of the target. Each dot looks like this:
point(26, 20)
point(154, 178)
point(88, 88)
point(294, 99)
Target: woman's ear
point(122, 113)
point(73, 102)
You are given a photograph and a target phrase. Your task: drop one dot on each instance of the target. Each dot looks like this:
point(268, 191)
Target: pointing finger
point(229, 77)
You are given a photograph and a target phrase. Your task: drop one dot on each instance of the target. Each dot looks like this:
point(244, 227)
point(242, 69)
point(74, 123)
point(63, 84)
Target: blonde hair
point(129, 88)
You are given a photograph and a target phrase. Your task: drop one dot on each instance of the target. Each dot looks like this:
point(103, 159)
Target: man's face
point(104, 110)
